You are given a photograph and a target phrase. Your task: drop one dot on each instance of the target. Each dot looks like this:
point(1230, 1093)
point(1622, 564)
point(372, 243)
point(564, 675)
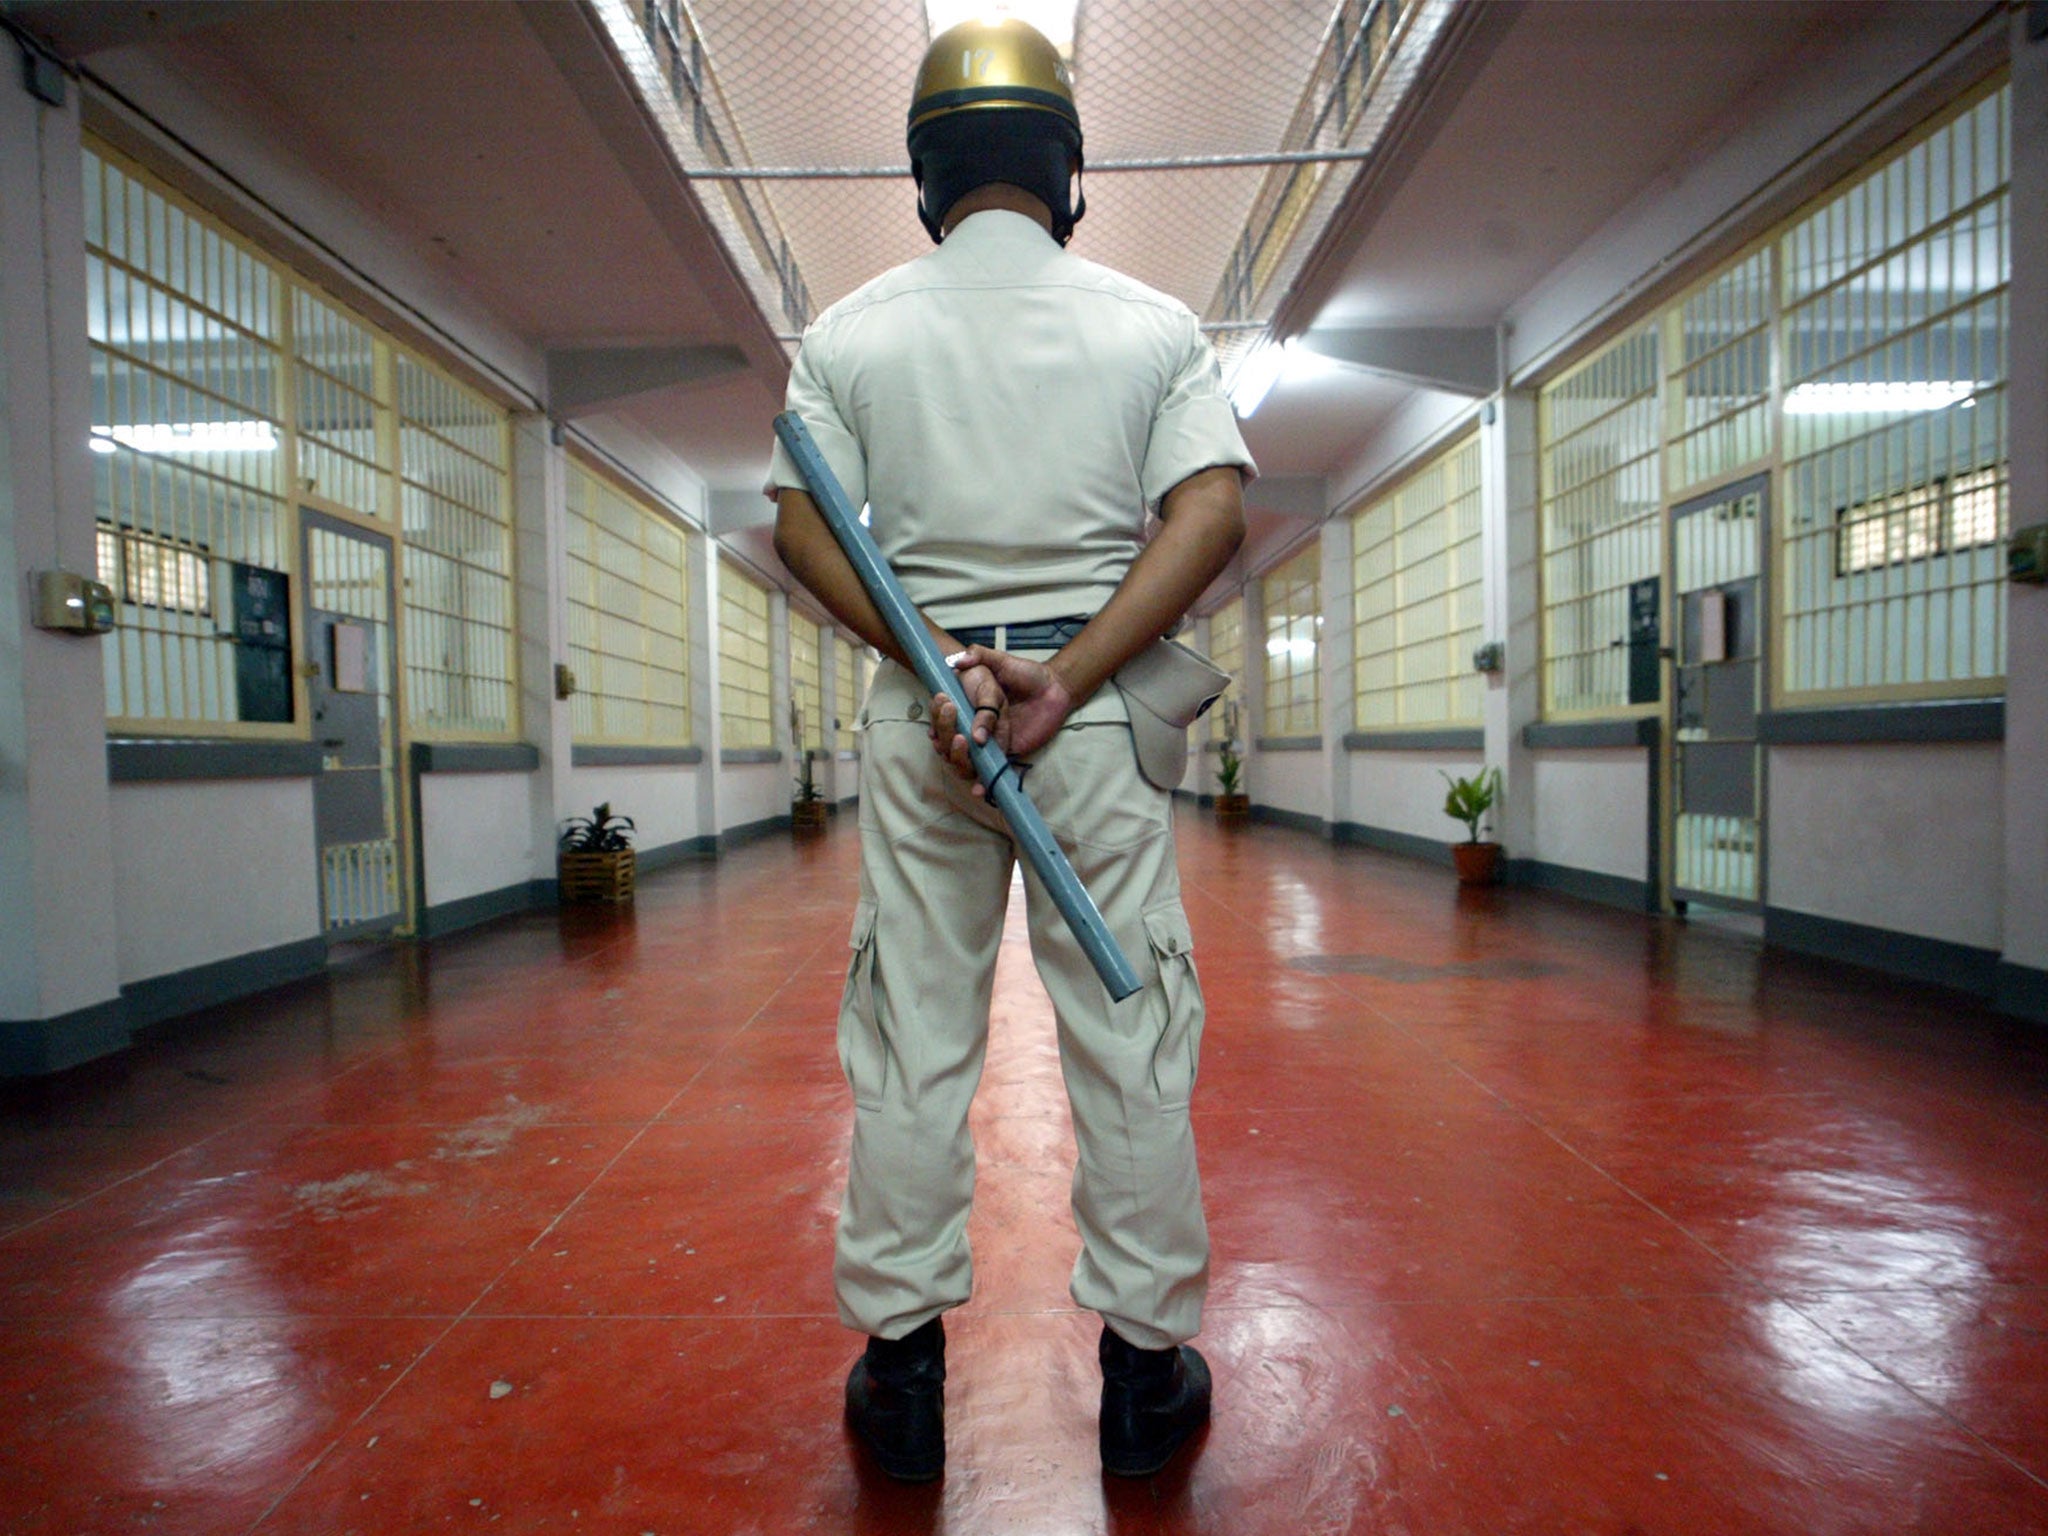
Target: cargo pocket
point(861, 1056)
point(1180, 1042)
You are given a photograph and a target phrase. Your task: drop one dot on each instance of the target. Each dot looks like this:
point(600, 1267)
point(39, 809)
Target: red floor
point(1529, 1216)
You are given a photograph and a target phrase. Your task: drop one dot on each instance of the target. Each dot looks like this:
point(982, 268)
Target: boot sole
point(919, 1470)
point(1131, 1466)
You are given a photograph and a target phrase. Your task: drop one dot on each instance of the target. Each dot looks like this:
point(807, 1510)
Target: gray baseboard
point(2021, 991)
point(685, 851)
point(1388, 841)
point(38, 1047)
point(1585, 884)
point(1299, 821)
point(1937, 961)
point(182, 992)
point(448, 917)
point(752, 832)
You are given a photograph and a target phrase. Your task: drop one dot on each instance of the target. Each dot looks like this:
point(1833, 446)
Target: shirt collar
point(999, 224)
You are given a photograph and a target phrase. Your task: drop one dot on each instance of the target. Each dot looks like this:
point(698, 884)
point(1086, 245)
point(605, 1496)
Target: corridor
point(1529, 1216)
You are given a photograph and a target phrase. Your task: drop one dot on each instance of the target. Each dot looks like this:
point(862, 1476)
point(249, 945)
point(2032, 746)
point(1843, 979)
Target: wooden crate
point(596, 876)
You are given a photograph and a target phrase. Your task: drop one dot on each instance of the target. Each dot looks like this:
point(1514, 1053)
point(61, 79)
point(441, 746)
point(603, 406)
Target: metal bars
point(745, 676)
point(806, 682)
point(342, 408)
point(1226, 649)
point(1895, 492)
point(626, 574)
point(1720, 385)
point(1601, 507)
point(455, 506)
point(1416, 600)
point(183, 331)
point(847, 692)
point(1294, 624)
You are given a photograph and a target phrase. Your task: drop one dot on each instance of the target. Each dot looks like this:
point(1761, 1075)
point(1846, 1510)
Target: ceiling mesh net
point(742, 83)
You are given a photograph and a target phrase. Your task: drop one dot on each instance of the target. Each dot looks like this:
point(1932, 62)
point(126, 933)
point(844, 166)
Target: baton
point(991, 763)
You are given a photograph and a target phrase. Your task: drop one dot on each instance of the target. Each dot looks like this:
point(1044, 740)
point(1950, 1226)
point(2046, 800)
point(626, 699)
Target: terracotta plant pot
point(1478, 863)
point(1233, 808)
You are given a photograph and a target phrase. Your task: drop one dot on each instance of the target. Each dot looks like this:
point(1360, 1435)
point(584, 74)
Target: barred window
point(455, 495)
point(745, 681)
point(1894, 336)
point(806, 681)
point(1601, 526)
point(1417, 598)
point(1294, 624)
point(342, 406)
point(626, 569)
point(183, 336)
point(1226, 649)
point(1720, 390)
point(848, 665)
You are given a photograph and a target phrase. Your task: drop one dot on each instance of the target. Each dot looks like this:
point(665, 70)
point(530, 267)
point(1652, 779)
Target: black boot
point(1152, 1400)
point(896, 1403)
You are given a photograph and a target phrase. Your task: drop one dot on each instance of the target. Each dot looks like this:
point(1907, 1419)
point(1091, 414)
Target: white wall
point(476, 834)
point(57, 939)
point(1290, 781)
point(751, 792)
point(661, 799)
point(244, 848)
point(1907, 838)
point(1592, 811)
point(1401, 792)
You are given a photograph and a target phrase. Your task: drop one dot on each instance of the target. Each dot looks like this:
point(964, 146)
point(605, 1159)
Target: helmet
point(994, 102)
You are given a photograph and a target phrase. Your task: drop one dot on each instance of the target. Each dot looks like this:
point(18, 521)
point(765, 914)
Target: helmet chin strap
point(1062, 223)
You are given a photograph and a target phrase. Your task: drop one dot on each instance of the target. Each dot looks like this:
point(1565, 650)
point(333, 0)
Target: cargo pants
point(913, 1024)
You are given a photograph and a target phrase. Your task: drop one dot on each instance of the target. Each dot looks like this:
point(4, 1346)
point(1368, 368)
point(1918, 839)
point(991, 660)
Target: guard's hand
point(985, 696)
point(1035, 701)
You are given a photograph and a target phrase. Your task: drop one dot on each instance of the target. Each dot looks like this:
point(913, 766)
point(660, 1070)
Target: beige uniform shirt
point(1009, 412)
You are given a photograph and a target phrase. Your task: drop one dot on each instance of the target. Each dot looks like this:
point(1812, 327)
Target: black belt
point(1039, 635)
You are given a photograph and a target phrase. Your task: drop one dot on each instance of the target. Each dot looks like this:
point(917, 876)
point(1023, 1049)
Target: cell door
point(349, 603)
point(1717, 779)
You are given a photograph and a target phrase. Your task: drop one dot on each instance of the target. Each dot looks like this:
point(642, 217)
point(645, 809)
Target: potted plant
point(595, 858)
point(1233, 805)
point(807, 805)
point(1469, 801)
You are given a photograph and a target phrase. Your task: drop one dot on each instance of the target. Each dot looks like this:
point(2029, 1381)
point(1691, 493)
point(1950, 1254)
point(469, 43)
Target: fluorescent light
point(1282, 645)
point(1256, 374)
point(1848, 399)
point(1055, 18)
point(187, 437)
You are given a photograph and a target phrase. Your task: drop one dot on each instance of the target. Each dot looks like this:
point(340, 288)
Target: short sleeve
point(1194, 427)
point(810, 396)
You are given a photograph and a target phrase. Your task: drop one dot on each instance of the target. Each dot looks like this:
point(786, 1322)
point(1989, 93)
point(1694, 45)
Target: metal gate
point(351, 675)
point(1717, 768)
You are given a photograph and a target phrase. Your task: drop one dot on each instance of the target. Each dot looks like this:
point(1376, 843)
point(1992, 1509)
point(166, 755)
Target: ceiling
point(534, 158)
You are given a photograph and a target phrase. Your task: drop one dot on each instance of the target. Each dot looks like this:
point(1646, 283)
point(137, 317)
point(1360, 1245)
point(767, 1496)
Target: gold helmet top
point(1005, 63)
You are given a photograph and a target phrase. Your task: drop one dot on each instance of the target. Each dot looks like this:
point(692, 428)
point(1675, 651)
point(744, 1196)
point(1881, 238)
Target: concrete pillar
point(60, 992)
point(704, 579)
point(540, 500)
point(1512, 601)
point(2023, 975)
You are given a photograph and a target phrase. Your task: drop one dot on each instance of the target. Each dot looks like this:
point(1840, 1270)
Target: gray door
point(1717, 767)
point(349, 602)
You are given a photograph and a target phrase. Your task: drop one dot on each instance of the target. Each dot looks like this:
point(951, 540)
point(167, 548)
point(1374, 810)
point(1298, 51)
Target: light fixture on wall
point(1055, 18)
point(1877, 396)
point(1256, 372)
point(187, 437)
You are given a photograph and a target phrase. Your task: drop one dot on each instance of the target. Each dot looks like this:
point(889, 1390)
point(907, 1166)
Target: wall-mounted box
point(72, 604)
point(2026, 554)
